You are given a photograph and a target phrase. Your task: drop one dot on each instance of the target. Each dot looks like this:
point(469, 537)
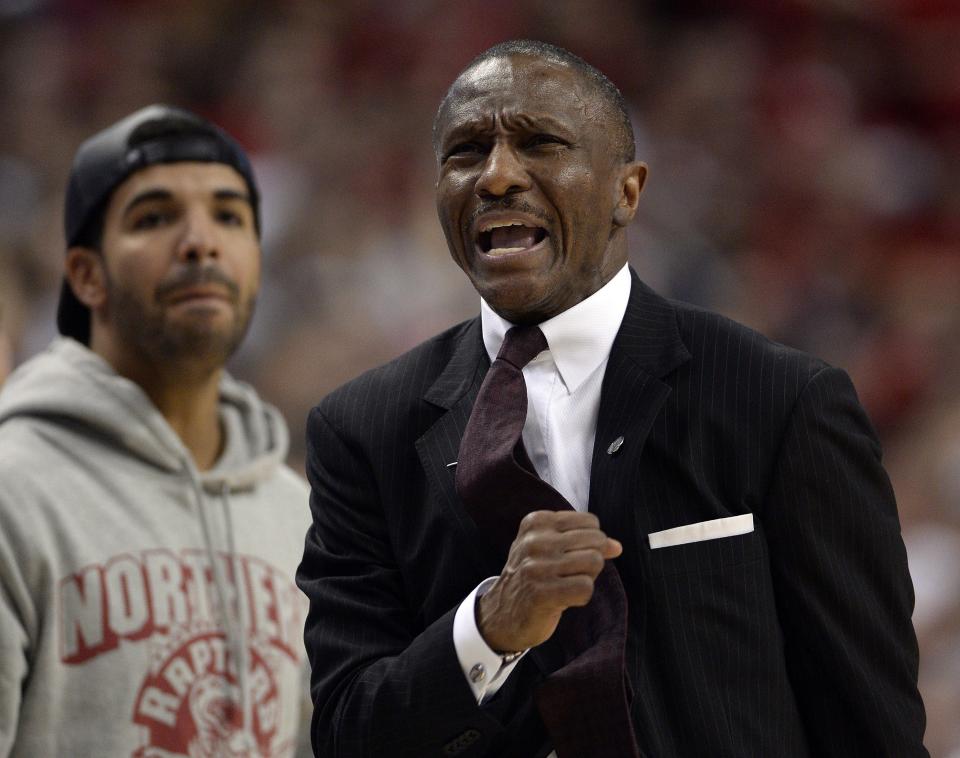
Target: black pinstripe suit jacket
point(792, 640)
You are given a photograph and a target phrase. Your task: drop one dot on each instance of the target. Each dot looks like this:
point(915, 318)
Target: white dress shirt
point(563, 400)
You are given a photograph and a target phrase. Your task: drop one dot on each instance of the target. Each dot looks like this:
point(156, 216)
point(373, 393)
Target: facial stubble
point(149, 332)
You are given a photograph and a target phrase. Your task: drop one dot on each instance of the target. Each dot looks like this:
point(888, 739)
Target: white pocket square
point(704, 530)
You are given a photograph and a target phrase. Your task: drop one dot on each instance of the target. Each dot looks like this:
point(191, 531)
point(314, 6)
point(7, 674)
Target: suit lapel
point(647, 347)
point(455, 390)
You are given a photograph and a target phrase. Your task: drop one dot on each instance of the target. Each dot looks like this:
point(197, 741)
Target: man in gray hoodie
point(149, 529)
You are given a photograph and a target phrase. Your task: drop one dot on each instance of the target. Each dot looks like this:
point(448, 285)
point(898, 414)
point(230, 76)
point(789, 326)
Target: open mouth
point(504, 237)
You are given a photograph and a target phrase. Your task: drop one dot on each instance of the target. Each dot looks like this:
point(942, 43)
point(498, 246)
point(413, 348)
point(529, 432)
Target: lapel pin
point(451, 464)
point(615, 445)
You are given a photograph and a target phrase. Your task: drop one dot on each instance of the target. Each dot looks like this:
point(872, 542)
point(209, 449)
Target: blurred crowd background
point(804, 179)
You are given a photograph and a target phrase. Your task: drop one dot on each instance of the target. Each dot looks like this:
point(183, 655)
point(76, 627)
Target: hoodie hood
point(70, 384)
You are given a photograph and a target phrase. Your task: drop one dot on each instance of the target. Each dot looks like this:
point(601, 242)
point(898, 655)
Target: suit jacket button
point(461, 742)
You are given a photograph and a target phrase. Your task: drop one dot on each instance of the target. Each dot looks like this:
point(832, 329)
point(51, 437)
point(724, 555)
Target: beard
point(147, 329)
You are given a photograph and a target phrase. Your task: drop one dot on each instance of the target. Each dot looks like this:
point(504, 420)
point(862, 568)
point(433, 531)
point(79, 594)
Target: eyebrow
point(157, 193)
point(145, 197)
point(486, 124)
point(230, 194)
point(541, 122)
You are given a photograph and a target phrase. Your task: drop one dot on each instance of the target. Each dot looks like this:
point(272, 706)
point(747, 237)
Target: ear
point(84, 272)
point(632, 178)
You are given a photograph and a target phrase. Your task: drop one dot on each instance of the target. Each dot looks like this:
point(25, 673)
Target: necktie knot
point(521, 345)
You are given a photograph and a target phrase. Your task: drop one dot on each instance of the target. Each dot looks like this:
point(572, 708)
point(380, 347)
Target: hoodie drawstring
point(234, 629)
point(246, 703)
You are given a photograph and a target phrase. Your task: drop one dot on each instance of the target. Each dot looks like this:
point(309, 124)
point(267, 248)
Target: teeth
point(505, 250)
point(497, 224)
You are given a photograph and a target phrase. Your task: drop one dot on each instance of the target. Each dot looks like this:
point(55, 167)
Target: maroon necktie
point(583, 704)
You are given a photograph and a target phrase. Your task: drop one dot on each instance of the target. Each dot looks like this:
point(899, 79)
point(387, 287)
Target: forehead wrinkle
point(478, 123)
point(540, 76)
point(584, 100)
point(484, 113)
point(517, 120)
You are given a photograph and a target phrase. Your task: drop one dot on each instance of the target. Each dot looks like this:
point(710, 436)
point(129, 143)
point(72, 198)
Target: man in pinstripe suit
point(736, 483)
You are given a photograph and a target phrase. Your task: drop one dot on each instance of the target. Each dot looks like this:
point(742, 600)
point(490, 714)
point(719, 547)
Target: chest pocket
point(715, 554)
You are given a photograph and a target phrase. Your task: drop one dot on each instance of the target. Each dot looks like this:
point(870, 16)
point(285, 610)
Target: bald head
point(613, 107)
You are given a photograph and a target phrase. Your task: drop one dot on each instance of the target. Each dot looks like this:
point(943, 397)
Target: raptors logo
point(190, 705)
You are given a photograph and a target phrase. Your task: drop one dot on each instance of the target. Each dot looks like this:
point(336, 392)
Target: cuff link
point(478, 673)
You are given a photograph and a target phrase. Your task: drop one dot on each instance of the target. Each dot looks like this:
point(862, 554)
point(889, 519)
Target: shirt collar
point(580, 338)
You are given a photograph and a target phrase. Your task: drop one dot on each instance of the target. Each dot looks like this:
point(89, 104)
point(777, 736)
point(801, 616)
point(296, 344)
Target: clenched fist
point(552, 565)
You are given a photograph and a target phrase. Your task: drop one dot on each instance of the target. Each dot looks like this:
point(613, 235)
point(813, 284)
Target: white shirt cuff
point(483, 668)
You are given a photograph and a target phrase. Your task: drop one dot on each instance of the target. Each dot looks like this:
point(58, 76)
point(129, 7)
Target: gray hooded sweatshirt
point(146, 608)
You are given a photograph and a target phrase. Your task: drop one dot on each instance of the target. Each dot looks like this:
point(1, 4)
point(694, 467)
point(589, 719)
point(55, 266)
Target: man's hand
point(552, 565)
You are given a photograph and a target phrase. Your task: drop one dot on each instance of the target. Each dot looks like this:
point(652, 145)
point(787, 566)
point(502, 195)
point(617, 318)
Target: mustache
point(507, 203)
point(193, 276)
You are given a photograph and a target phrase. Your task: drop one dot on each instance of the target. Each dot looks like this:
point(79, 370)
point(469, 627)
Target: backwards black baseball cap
point(155, 134)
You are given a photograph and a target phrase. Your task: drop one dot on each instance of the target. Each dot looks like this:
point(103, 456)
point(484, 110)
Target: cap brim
point(73, 317)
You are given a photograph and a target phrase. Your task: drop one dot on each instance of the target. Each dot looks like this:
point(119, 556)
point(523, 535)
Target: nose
point(503, 173)
point(199, 239)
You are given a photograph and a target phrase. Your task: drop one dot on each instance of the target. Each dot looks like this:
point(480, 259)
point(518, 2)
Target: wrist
point(492, 640)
